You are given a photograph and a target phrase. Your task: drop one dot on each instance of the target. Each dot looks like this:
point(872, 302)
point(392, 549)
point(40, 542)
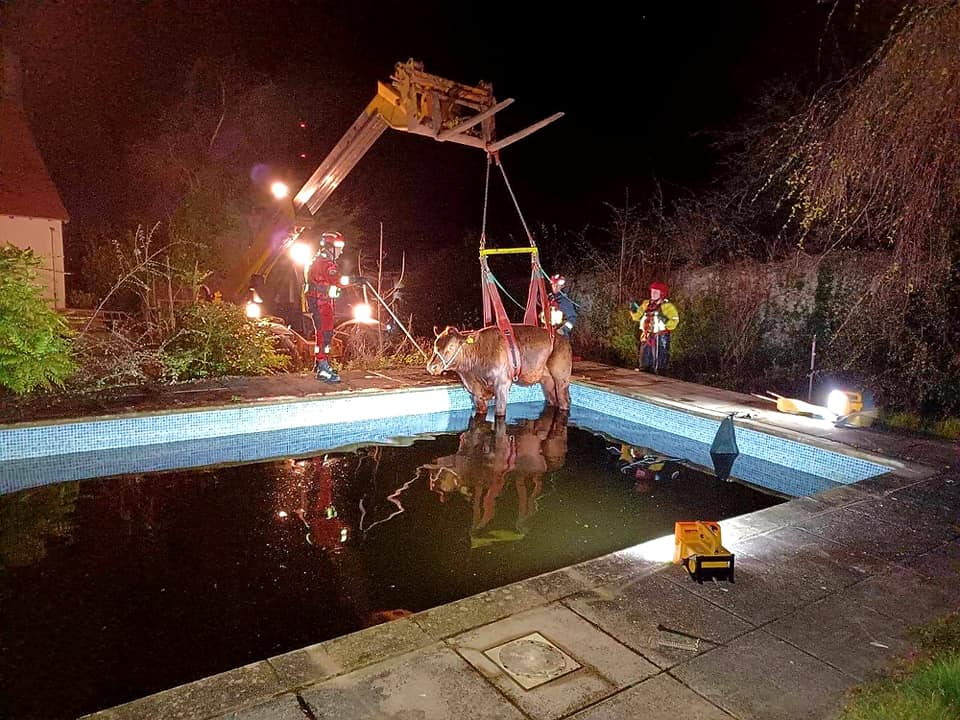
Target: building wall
point(45, 238)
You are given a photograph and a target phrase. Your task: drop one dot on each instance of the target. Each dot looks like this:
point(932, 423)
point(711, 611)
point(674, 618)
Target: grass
point(925, 687)
point(948, 428)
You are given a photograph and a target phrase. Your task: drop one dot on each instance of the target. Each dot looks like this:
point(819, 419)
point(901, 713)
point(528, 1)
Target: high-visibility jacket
point(655, 317)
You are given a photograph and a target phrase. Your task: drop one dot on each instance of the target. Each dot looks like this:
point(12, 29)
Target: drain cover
point(532, 660)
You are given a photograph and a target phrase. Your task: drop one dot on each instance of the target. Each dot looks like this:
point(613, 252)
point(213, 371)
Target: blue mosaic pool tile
point(49, 453)
point(74, 437)
point(806, 459)
point(25, 473)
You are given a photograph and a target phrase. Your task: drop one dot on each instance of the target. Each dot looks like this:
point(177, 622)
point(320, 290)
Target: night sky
point(642, 90)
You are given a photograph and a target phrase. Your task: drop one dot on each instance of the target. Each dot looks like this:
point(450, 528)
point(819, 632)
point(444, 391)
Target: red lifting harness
point(493, 309)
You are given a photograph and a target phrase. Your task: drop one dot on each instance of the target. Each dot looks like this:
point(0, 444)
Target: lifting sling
point(493, 309)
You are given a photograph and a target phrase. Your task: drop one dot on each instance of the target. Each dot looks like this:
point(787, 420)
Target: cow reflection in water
point(494, 458)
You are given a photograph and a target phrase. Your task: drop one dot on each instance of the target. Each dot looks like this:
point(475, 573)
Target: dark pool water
point(116, 588)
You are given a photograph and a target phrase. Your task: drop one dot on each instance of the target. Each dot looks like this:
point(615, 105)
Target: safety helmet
point(662, 287)
point(334, 241)
point(557, 281)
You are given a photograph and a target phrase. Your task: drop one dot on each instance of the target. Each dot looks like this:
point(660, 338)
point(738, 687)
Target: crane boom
point(416, 102)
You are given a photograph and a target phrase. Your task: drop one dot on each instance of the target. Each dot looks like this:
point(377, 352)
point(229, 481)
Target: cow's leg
point(479, 392)
point(549, 388)
point(559, 366)
point(502, 390)
point(563, 393)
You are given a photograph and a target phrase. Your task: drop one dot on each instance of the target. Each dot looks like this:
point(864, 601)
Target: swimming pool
point(155, 575)
point(53, 452)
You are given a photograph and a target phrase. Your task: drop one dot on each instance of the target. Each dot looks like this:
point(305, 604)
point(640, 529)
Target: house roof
point(25, 185)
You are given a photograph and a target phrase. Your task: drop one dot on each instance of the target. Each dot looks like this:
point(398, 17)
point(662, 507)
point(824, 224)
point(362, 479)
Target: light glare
point(838, 403)
point(279, 189)
point(253, 310)
point(362, 313)
point(301, 253)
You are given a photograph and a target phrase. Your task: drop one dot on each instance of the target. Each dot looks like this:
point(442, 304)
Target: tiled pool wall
point(42, 454)
point(807, 459)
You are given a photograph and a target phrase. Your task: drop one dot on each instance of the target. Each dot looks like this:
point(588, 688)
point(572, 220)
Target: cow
point(480, 358)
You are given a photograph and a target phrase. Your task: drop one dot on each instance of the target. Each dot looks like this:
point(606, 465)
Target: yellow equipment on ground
point(844, 408)
point(698, 548)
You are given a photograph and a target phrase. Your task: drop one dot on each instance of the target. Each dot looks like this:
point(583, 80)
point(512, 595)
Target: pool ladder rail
point(698, 547)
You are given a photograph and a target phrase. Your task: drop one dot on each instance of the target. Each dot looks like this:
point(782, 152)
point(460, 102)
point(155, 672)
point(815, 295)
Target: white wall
point(45, 238)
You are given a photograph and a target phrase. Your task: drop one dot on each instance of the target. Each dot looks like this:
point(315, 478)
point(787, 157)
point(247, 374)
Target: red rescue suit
point(323, 286)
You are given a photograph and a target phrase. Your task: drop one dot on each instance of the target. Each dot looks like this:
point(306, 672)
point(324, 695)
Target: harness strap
point(493, 305)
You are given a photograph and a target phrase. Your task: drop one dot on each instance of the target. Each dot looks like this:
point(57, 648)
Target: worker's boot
point(325, 373)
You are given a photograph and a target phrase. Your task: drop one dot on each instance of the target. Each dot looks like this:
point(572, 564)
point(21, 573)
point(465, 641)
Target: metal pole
point(396, 319)
point(623, 240)
point(813, 361)
point(379, 289)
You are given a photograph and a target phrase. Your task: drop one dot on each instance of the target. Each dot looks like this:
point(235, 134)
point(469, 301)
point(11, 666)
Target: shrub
point(215, 339)
point(34, 349)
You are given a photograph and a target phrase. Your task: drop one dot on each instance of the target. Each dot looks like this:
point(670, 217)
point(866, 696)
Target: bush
point(215, 339)
point(34, 349)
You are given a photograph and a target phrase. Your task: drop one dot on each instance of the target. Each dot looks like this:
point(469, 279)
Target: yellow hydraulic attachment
point(420, 103)
point(698, 548)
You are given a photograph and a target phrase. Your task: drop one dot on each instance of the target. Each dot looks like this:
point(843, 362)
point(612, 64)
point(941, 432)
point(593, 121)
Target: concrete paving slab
point(816, 560)
point(606, 665)
point(471, 612)
point(853, 638)
point(560, 583)
point(340, 655)
point(433, 683)
point(867, 535)
point(764, 589)
point(285, 707)
point(913, 518)
point(633, 617)
point(938, 495)
point(210, 697)
point(941, 565)
point(659, 698)
point(771, 518)
point(760, 677)
point(904, 594)
point(612, 569)
point(841, 496)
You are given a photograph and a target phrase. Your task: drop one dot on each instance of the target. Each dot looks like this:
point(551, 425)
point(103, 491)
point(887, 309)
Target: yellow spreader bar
point(507, 251)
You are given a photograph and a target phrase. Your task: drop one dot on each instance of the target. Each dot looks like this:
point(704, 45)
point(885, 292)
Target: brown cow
point(480, 359)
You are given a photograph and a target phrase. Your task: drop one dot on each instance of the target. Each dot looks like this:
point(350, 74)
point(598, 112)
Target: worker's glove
point(634, 306)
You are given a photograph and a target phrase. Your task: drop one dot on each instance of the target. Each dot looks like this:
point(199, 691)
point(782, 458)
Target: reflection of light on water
point(657, 550)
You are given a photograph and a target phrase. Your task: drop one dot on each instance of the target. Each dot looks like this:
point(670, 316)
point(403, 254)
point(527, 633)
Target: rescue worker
point(322, 288)
point(563, 311)
point(657, 318)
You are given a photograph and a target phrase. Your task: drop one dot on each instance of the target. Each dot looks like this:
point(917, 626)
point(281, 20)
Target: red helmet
point(332, 238)
point(662, 287)
point(557, 281)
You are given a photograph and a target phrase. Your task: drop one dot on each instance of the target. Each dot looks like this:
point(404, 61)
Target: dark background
point(643, 87)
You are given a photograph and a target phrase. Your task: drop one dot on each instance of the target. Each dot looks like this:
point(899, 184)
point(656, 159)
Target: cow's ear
point(436, 333)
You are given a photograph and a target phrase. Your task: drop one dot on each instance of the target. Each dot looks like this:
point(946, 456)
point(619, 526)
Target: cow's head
point(447, 349)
